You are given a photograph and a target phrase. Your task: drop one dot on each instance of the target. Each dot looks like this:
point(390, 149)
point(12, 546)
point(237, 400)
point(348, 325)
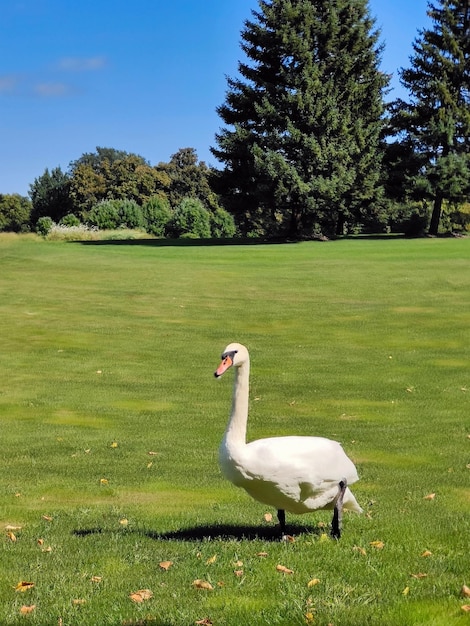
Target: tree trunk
point(294, 226)
point(340, 225)
point(436, 214)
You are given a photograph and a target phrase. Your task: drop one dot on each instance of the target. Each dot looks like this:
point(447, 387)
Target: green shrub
point(69, 220)
point(44, 225)
point(130, 214)
point(192, 219)
point(112, 214)
point(411, 219)
point(104, 215)
point(157, 215)
point(456, 217)
point(222, 224)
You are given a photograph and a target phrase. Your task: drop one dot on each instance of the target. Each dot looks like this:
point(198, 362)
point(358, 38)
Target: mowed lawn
point(110, 421)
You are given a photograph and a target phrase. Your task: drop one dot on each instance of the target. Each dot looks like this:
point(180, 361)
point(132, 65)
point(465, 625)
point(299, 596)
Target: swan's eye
point(229, 354)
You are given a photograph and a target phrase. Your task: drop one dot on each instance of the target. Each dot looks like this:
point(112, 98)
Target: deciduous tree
point(15, 211)
point(189, 178)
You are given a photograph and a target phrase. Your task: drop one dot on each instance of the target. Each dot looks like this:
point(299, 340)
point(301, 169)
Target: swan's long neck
point(235, 434)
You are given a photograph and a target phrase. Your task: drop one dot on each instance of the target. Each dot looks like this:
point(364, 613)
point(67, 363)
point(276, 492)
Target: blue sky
point(143, 76)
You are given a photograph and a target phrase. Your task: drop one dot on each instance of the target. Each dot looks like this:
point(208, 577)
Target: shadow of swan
point(215, 532)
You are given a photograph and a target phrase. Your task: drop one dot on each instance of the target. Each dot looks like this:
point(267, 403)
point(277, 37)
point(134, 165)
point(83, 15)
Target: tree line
point(309, 146)
point(110, 189)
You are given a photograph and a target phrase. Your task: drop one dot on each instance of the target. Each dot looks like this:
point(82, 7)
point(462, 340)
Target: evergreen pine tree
point(436, 120)
point(301, 153)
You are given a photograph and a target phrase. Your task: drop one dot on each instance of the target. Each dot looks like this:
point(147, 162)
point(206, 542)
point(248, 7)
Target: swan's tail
point(350, 502)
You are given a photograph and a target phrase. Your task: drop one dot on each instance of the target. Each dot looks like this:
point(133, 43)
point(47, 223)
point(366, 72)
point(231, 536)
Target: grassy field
point(110, 421)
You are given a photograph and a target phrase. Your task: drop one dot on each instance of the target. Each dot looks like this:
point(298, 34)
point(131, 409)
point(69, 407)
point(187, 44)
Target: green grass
point(363, 341)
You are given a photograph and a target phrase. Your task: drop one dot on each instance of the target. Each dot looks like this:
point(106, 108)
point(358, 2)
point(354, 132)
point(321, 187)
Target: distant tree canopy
point(15, 213)
point(111, 174)
point(301, 146)
point(115, 189)
point(188, 178)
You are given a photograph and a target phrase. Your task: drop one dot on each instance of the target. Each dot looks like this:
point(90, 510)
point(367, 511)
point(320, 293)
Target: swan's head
point(234, 354)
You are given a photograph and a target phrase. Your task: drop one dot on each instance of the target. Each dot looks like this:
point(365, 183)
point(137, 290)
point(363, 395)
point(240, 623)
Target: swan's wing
point(307, 459)
point(292, 473)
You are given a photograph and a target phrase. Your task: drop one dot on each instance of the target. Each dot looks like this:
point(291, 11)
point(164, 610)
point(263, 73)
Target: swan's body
point(295, 474)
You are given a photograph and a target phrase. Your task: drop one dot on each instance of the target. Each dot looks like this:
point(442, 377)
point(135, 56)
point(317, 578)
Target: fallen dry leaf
point(204, 622)
point(430, 496)
point(104, 481)
point(96, 579)
point(360, 550)
point(419, 576)
point(202, 584)
point(78, 601)
point(48, 518)
point(284, 569)
point(313, 582)
point(268, 517)
point(406, 591)
point(114, 444)
point(466, 608)
point(427, 553)
point(27, 609)
point(141, 596)
point(24, 586)
point(12, 527)
point(153, 453)
point(261, 554)
point(238, 573)
point(288, 538)
point(11, 536)
point(378, 545)
point(211, 560)
point(309, 618)
point(238, 563)
point(465, 591)
point(40, 542)
point(165, 565)
point(124, 522)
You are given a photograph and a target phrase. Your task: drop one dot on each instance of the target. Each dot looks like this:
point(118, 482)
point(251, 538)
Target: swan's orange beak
point(223, 367)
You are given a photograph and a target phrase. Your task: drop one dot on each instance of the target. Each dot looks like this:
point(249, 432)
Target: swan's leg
point(338, 510)
point(281, 516)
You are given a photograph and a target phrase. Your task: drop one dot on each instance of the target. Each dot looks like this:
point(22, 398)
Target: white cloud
point(8, 84)
point(52, 89)
point(82, 64)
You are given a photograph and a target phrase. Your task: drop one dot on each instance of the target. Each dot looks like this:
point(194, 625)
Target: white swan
point(295, 474)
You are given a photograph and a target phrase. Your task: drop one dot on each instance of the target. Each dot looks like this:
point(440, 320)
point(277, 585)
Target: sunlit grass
point(110, 421)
